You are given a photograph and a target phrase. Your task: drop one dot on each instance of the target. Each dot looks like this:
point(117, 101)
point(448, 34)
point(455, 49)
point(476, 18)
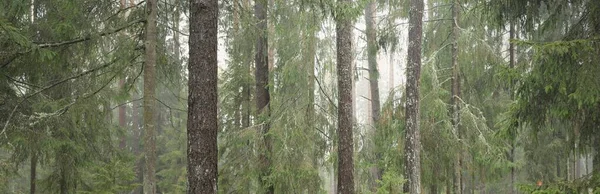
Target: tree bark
point(137, 134)
point(202, 100)
point(261, 60)
point(511, 64)
point(149, 99)
point(371, 32)
point(458, 180)
point(413, 74)
point(33, 175)
point(345, 59)
point(123, 138)
point(122, 119)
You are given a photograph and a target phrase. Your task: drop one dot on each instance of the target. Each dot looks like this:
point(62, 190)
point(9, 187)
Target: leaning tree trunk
point(202, 99)
point(345, 60)
point(261, 60)
point(413, 73)
point(458, 179)
point(149, 99)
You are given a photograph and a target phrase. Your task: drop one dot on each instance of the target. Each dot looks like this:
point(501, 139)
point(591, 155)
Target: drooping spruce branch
point(89, 37)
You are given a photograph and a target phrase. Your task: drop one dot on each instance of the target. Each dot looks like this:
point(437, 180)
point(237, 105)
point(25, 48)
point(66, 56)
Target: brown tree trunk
point(33, 175)
point(261, 60)
point(345, 58)
point(202, 101)
point(413, 74)
point(458, 180)
point(149, 99)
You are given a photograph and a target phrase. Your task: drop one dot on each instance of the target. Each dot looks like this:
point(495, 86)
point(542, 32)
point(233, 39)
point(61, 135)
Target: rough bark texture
point(33, 175)
point(458, 179)
point(413, 73)
point(345, 58)
point(149, 99)
point(202, 99)
point(261, 74)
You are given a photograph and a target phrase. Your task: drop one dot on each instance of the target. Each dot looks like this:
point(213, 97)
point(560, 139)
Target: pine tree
point(202, 100)
point(345, 106)
point(149, 98)
point(413, 73)
point(455, 99)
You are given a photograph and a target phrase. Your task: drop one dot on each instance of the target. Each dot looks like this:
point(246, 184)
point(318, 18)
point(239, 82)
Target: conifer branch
point(89, 37)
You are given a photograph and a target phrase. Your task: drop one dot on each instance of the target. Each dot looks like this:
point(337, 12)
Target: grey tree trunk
point(122, 119)
point(261, 60)
point(246, 90)
point(458, 180)
point(149, 99)
point(371, 32)
point(137, 136)
point(511, 64)
point(345, 59)
point(412, 146)
point(202, 100)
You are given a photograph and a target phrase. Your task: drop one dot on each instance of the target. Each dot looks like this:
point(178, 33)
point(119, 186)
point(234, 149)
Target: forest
point(300, 96)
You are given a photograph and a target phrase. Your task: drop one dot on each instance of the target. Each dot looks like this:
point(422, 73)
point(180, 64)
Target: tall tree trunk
point(449, 185)
point(137, 134)
point(149, 99)
point(511, 52)
point(261, 60)
point(434, 179)
point(345, 59)
point(33, 172)
point(122, 139)
point(413, 74)
point(458, 180)
point(370, 15)
point(202, 100)
point(122, 119)
point(246, 107)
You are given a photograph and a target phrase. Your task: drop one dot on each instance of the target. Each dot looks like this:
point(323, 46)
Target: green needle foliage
point(68, 67)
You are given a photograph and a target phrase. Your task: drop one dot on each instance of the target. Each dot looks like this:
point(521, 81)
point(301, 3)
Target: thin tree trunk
point(413, 73)
point(512, 65)
point(371, 32)
point(449, 185)
point(149, 99)
point(596, 158)
point(122, 118)
point(122, 139)
point(434, 179)
point(137, 134)
point(345, 60)
point(246, 87)
point(309, 56)
point(33, 171)
point(202, 100)
point(262, 92)
point(458, 183)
